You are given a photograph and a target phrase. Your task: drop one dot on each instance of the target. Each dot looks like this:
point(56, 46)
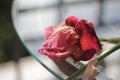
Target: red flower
point(74, 38)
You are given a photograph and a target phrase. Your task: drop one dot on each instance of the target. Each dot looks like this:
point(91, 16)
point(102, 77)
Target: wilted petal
point(77, 55)
point(89, 42)
point(62, 24)
point(56, 46)
point(49, 30)
point(88, 54)
point(71, 21)
point(90, 71)
point(74, 38)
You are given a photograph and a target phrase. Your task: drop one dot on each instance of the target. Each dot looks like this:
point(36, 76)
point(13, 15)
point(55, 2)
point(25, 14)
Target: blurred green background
point(9, 44)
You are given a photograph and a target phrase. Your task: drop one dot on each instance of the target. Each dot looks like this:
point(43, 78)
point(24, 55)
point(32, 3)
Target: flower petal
point(89, 42)
point(88, 54)
point(74, 38)
point(71, 21)
point(49, 30)
point(56, 46)
point(91, 25)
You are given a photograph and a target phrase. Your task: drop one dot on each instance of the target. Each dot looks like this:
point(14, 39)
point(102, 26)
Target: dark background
point(10, 46)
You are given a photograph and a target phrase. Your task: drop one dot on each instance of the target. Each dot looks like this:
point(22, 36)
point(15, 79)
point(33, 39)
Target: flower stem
point(107, 52)
point(78, 72)
point(99, 58)
point(112, 40)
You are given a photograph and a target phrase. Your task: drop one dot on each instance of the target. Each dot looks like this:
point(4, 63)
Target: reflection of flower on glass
point(75, 38)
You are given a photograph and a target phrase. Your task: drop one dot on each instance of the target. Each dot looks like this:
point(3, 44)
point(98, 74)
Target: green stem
point(99, 58)
point(78, 72)
point(112, 40)
point(107, 52)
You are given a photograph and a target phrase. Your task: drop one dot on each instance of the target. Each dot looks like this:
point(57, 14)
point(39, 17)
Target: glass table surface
point(30, 24)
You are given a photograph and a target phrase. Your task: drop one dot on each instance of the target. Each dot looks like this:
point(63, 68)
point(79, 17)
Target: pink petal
point(49, 30)
point(56, 46)
point(62, 24)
